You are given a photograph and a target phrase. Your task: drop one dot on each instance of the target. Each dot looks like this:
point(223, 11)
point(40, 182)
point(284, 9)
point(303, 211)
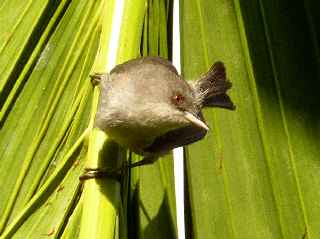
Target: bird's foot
point(114, 173)
point(97, 77)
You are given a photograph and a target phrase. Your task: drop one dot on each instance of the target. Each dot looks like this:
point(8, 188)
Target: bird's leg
point(114, 173)
point(145, 161)
point(96, 78)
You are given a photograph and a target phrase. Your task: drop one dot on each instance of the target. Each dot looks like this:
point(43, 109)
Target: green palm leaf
point(255, 174)
point(258, 173)
point(48, 109)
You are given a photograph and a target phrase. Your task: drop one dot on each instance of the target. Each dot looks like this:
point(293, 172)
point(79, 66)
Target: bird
point(148, 108)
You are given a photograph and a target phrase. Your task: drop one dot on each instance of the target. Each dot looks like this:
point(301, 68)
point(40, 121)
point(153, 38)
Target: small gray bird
point(147, 107)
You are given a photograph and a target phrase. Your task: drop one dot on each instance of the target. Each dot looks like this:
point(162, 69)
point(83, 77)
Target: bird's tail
point(212, 87)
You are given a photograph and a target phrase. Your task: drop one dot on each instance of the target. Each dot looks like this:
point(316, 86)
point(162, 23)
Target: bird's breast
point(133, 138)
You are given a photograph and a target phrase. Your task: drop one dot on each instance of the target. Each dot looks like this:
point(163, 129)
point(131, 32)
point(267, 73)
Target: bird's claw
point(97, 77)
point(101, 173)
point(114, 173)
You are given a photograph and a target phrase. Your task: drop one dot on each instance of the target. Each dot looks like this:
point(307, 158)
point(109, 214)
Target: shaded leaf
point(261, 161)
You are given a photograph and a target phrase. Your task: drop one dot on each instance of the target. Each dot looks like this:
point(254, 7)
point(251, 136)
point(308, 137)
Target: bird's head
point(172, 103)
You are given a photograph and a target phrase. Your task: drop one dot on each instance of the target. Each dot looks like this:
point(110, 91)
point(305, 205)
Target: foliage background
point(256, 175)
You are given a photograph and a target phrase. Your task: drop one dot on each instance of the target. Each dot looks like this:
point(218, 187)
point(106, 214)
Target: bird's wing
point(176, 138)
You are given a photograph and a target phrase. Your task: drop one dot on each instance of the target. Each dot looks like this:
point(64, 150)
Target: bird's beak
point(193, 119)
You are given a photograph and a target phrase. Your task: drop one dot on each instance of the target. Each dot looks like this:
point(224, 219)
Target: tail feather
point(212, 88)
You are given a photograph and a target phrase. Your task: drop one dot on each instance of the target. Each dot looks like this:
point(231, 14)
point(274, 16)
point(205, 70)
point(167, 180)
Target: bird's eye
point(178, 98)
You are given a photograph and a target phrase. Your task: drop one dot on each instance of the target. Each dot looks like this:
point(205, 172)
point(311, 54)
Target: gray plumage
point(146, 106)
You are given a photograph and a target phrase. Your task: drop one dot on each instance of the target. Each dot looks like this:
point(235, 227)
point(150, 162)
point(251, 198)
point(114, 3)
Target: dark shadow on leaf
point(110, 157)
point(155, 228)
point(133, 214)
point(284, 50)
